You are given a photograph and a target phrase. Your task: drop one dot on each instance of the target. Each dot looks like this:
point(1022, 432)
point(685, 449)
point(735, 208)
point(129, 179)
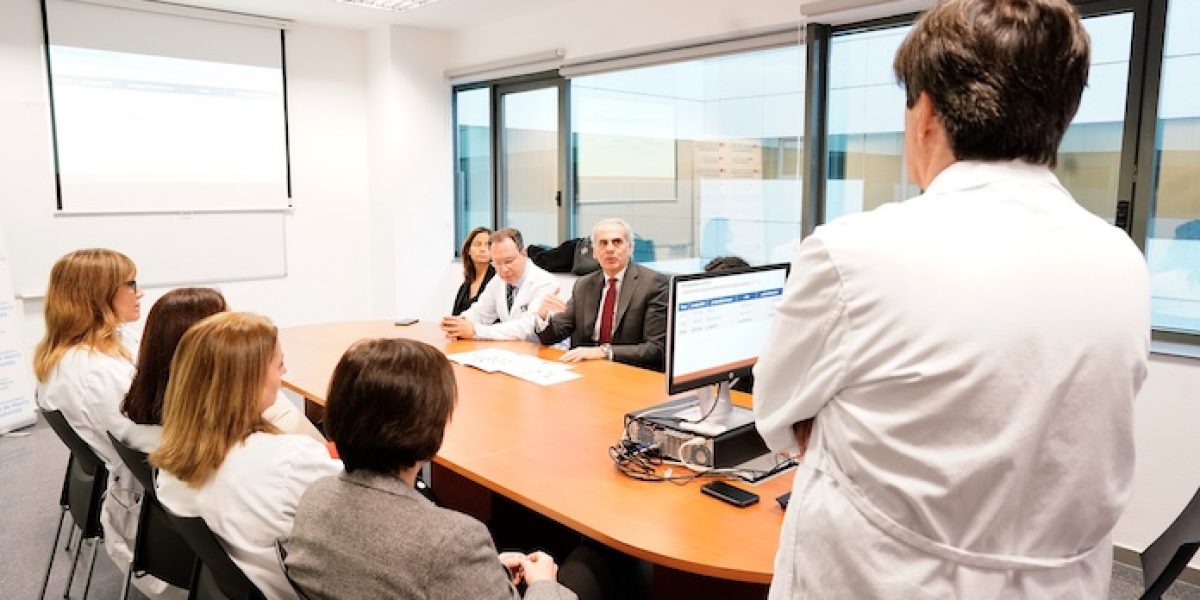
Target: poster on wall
point(16, 395)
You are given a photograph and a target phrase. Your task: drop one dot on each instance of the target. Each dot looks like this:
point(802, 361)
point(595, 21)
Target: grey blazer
point(639, 323)
point(364, 535)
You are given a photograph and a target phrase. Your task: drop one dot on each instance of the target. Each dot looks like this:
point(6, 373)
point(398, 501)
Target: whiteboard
point(169, 249)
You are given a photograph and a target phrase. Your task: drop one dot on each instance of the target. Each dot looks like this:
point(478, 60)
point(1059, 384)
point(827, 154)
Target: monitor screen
point(718, 322)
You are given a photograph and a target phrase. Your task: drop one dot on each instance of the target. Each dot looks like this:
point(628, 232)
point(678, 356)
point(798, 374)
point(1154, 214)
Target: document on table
point(522, 366)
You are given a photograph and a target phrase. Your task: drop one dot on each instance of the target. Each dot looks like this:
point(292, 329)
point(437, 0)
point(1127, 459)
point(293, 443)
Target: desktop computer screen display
point(718, 323)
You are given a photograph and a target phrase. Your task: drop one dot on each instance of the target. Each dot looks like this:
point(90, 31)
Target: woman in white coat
point(220, 459)
point(169, 319)
point(83, 370)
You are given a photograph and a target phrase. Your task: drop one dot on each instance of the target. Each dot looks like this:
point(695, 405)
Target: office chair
point(281, 554)
point(83, 495)
point(1165, 559)
point(215, 576)
point(158, 549)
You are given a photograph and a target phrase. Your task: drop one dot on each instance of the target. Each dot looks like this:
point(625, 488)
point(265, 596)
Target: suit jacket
point(639, 323)
point(365, 535)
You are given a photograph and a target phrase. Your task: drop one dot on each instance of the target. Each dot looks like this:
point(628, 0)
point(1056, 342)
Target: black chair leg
point(87, 584)
point(74, 563)
point(53, 550)
point(70, 539)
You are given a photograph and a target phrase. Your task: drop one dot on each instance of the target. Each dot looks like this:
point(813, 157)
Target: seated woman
point(169, 318)
point(477, 268)
point(220, 459)
point(367, 533)
point(83, 369)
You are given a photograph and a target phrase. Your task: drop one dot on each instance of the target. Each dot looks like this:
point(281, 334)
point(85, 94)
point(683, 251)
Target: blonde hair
point(212, 397)
point(79, 306)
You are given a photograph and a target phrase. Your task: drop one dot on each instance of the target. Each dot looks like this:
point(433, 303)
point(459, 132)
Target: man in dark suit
point(617, 313)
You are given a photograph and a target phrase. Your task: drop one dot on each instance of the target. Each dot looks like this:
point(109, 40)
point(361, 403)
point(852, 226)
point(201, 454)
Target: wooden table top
point(547, 448)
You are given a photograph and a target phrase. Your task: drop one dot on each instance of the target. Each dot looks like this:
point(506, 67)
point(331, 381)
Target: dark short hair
point(468, 264)
point(388, 404)
point(1005, 76)
point(508, 233)
point(725, 263)
point(169, 319)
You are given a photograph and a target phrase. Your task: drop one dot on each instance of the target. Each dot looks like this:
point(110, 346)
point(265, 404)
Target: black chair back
point(159, 550)
point(87, 477)
point(216, 577)
point(138, 463)
point(1166, 558)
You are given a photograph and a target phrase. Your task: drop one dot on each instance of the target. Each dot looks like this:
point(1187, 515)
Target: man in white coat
point(507, 308)
point(959, 370)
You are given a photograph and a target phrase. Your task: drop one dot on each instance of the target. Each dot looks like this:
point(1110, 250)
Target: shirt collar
point(620, 275)
point(524, 275)
point(969, 174)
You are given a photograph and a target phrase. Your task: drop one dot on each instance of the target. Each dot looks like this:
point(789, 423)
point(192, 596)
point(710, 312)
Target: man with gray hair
point(617, 313)
point(959, 370)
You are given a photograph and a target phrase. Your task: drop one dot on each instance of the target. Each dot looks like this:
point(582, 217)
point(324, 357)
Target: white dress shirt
point(492, 318)
point(971, 357)
point(251, 500)
point(604, 295)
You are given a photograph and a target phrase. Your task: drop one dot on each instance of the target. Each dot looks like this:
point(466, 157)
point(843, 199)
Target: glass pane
point(472, 161)
point(700, 157)
point(1089, 158)
point(866, 122)
point(530, 161)
point(1173, 234)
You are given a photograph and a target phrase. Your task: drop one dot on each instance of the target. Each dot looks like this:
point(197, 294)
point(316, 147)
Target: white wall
point(411, 160)
point(585, 28)
point(328, 238)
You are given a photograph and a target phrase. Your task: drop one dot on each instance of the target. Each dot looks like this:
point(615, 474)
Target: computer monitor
point(717, 324)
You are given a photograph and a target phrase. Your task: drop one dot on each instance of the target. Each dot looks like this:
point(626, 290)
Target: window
point(701, 157)
point(472, 159)
point(866, 124)
point(1173, 229)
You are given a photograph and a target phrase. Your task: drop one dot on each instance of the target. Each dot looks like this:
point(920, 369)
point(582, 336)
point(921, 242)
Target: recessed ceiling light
point(392, 5)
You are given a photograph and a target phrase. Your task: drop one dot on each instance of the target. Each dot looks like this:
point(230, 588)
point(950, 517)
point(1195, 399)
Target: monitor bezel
point(692, 384)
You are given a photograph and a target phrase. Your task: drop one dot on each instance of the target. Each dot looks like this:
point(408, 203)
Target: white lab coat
point(520, 322)
point(251, 500)
point(971, 357)
point(88, 387)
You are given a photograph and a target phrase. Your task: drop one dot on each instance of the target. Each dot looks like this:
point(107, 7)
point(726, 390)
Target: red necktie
point(606, 314)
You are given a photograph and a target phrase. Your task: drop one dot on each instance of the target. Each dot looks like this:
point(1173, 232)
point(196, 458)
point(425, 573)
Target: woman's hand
point(512, 562)
point(539, 566)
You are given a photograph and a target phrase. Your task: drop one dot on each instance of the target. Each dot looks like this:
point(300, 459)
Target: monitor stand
point(715, 406)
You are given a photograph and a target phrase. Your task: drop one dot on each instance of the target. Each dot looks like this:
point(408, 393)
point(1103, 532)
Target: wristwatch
point(607, 348)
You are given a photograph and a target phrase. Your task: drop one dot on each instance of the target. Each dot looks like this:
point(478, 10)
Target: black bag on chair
point(585, 261)
point(571, 256)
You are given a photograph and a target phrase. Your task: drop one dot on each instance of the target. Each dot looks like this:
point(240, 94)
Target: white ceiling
point(442, 14)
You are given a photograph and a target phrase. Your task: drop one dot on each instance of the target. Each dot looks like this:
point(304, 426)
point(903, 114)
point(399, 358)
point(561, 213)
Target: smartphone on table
point(727, 493)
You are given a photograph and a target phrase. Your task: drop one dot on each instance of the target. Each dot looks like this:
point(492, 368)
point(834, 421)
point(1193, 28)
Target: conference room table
point(546, 448)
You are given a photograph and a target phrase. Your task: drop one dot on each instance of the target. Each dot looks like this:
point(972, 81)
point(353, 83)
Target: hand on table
point(458, 328)
point(582, 353)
